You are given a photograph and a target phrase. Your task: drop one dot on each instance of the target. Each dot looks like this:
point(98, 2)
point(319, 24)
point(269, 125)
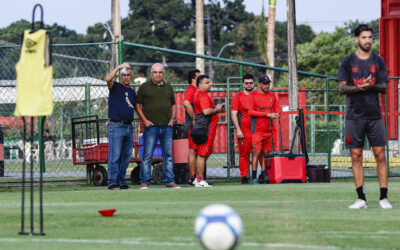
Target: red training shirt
point(201, 102)
point(263, 104)
point(189, 96)
point(242, 103)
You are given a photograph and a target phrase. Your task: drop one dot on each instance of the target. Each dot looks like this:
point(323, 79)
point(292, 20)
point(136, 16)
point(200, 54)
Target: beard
point(365, 49)
point(249, 89)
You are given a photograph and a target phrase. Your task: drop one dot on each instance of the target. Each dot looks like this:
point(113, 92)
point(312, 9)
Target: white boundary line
point(96, 204)
point(164, 243)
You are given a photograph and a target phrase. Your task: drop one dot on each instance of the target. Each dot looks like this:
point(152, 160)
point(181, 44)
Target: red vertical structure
point(390, 51)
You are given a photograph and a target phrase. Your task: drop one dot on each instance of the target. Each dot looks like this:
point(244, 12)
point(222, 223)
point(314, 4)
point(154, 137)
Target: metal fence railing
point(79, 90)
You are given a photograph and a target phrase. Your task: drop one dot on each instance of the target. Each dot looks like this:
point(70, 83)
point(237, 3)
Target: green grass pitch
point(285, 216)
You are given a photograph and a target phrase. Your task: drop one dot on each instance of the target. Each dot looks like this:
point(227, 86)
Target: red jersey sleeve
point(204, 101)
point(189, 94)
point(235, 102)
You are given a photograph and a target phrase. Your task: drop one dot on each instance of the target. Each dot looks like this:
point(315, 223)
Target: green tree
point(13, 32)
point(322, 56)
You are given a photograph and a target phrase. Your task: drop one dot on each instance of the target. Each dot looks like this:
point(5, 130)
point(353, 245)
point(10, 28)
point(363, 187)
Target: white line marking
point(96, 204)
point(360, 232)
point(140, 241)
point(286, 245)
point(358, 236)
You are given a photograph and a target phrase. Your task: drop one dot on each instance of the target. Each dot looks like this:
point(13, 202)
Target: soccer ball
point(218, 226)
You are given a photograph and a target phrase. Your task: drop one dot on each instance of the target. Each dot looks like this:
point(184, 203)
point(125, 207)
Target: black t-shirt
point(353, 70)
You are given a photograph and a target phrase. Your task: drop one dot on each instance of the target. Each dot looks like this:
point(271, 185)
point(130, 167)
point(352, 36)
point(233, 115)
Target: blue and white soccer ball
point(218, 226)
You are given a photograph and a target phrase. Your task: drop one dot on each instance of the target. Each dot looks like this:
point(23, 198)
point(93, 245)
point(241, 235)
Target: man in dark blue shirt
point(121, 105)
point(362, 75)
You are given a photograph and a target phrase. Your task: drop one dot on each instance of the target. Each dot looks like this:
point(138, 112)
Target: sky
point(321, 15)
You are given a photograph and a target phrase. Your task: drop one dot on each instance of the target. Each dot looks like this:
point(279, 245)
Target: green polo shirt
point(156, 102)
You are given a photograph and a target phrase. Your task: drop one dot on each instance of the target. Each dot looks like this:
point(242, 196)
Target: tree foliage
point(171, 24)
point(61, 34)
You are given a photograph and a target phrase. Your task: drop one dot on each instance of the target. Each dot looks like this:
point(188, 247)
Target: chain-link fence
point(79, 90)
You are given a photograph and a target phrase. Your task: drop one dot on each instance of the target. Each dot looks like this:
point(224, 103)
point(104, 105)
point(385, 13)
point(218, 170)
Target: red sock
point(199, 178)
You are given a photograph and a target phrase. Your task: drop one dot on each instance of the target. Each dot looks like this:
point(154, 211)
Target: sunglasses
point(265, 83)
point(248, 83)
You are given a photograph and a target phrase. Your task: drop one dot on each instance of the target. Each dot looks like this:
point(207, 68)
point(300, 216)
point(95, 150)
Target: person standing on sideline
point(206, 118)
point(156, 107)
point(362, 75)
point(240, 106)
point(188, 104)
point(121, 105)
point(265, 107)
point(49, 143)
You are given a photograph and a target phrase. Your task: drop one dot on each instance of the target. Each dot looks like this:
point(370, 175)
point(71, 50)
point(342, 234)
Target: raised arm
point(110, 76)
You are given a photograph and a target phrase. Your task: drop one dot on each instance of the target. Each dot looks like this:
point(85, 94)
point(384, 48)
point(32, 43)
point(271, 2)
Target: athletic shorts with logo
point(262, 141)
point(193, 145)
point(356, 130)
point(203, 149)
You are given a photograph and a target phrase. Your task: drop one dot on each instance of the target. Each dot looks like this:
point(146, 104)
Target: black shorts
point(356, 130)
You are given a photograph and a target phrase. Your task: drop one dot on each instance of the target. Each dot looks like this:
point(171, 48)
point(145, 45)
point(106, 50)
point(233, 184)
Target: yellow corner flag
point(34, 76)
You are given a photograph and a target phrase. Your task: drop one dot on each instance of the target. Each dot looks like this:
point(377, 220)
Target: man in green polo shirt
point(155, 105)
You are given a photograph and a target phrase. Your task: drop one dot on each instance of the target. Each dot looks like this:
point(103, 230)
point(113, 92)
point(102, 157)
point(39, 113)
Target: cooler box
point(180, 152)
point(286, 168)
point(318, 172)
point(180, 144)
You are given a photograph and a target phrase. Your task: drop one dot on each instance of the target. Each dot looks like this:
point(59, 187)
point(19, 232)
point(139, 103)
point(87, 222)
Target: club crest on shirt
point(30, 43)
point(270, 99)
point(372, 68)
point(259, 100)
point(354, 69)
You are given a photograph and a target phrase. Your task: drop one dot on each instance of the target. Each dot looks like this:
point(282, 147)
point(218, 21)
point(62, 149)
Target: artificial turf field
point(284, 216)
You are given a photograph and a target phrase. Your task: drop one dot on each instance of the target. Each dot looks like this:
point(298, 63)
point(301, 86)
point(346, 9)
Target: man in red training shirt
point(206, 118)
point(188, 104)
point(240, 106)
point(265, 107)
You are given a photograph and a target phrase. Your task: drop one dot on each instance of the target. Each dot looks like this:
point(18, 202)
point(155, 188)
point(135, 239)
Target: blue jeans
point(120, 144)
point(150, 136)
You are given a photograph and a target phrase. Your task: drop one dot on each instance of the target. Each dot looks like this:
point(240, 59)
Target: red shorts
point(206, 148)
point(262, 141)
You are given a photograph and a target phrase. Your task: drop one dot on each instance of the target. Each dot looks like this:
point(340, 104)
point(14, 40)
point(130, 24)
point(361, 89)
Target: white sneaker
point(202, 183)
point(194, 183)
point(385, 204)
point(359, 204)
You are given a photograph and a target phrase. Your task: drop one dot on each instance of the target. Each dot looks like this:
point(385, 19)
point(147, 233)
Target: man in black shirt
point(362, 75)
